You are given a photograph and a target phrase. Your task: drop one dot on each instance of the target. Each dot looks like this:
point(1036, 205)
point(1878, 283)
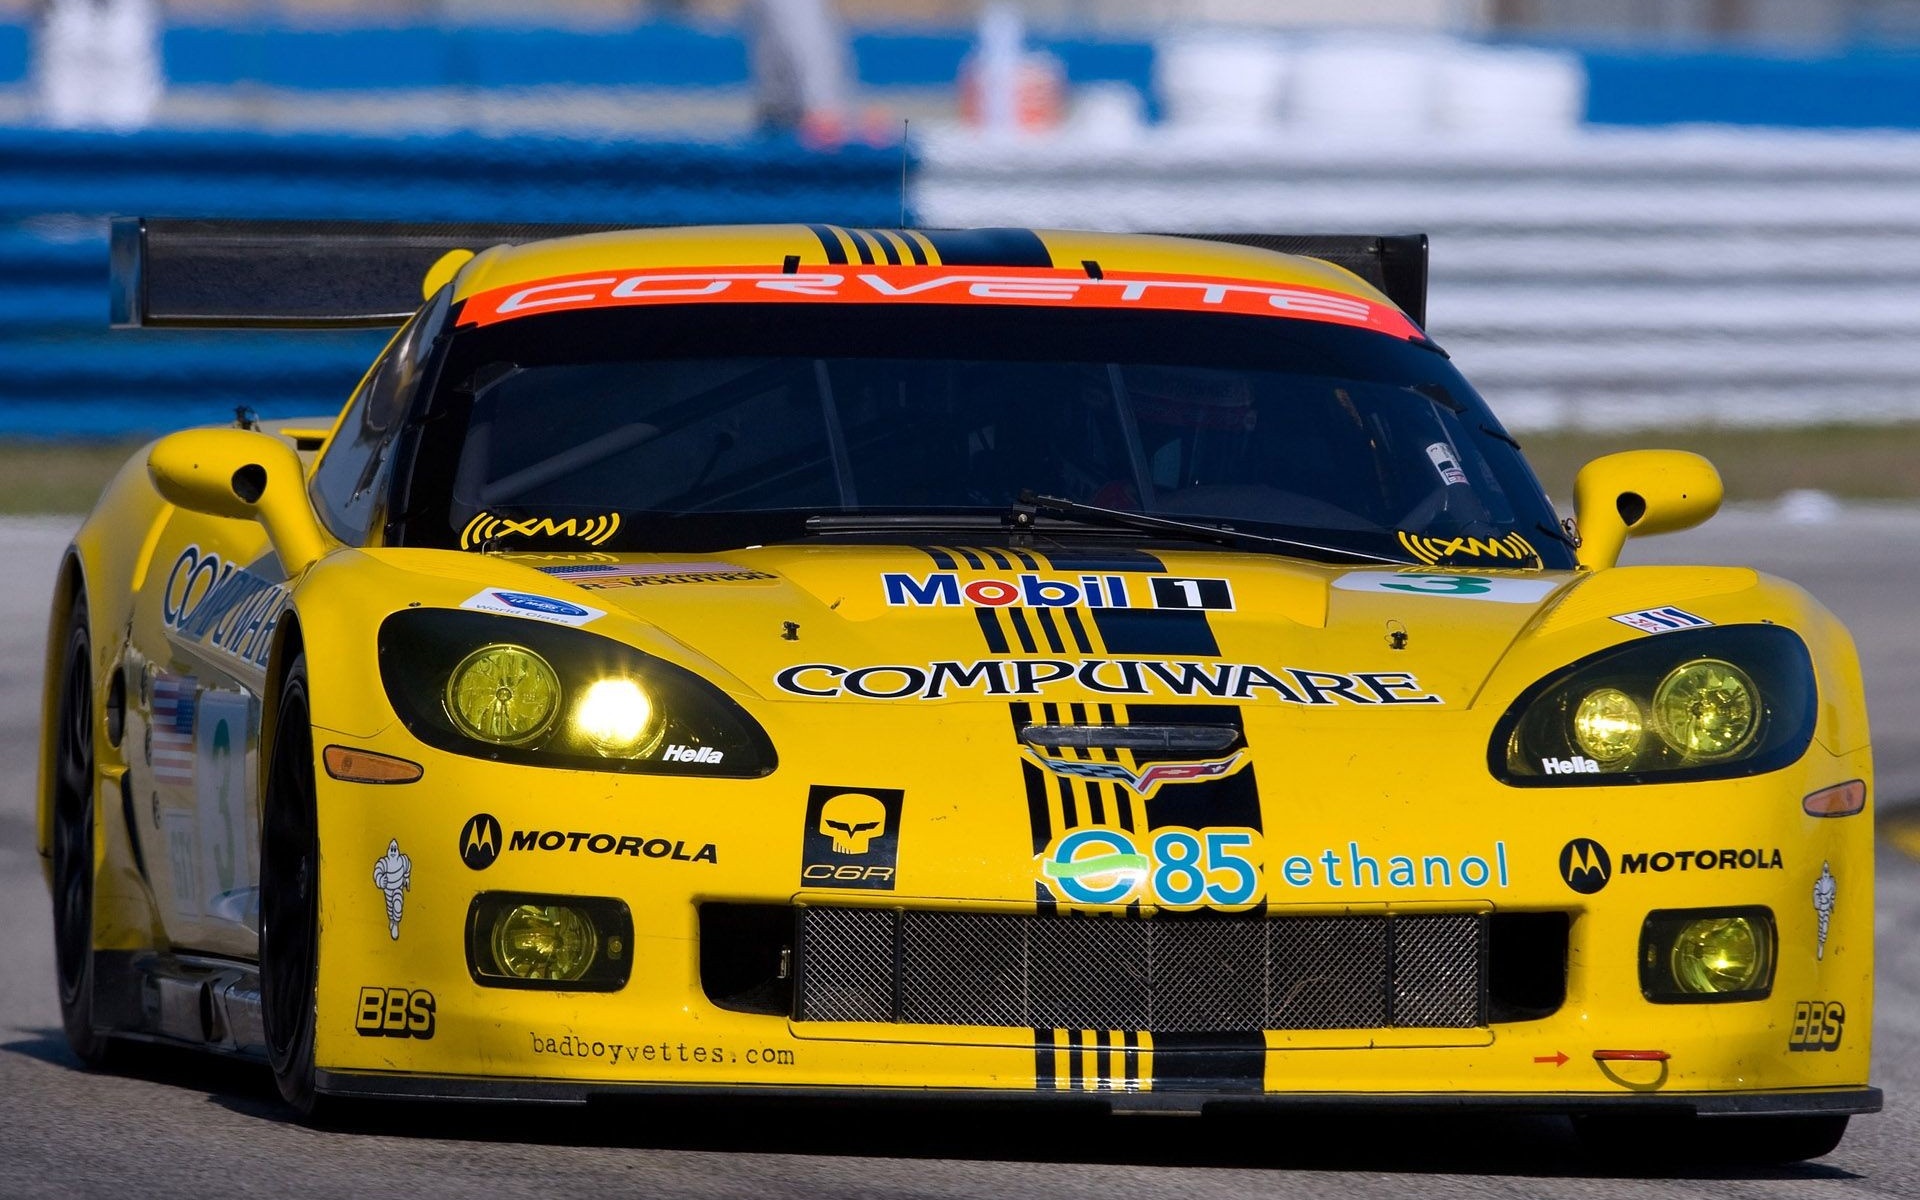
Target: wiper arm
point(883, 522)
point(1032, 504)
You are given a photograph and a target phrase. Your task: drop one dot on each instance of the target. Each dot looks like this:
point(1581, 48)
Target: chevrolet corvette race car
point(1128, 670)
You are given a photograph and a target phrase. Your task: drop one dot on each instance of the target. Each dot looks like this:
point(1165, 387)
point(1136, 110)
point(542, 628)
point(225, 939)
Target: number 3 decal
point(1440, 585)
point(1507, 589)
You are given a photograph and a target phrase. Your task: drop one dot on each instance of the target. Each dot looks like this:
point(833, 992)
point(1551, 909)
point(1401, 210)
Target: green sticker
point(1441, 585)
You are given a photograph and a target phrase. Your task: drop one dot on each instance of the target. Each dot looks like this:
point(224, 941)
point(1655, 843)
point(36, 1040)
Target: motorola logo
point(1585, 865)
point(480, 841)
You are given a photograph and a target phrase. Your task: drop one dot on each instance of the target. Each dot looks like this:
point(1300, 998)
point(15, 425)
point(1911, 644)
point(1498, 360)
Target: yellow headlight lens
point(1719, 954)
point(543, 941)
point(1608, 726)
point(503, 693)
point(615, 716)
point(1707, 709)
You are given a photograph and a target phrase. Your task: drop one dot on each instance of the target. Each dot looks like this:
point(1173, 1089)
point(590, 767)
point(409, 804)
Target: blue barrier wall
point(63, 374)
point(661, 54)
point(1859, 88)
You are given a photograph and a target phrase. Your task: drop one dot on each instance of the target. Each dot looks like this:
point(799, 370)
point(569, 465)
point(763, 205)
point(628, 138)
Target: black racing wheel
point(290, 896)
point(73, 814)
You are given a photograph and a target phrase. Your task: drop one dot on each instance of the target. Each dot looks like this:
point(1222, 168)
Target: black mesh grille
point(1166, 974)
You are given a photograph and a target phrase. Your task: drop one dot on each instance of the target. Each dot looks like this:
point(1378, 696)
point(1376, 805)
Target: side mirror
point(244, 475)
point(1640, 492)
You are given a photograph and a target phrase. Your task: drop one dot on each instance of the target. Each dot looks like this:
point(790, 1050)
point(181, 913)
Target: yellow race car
point(1117, 669)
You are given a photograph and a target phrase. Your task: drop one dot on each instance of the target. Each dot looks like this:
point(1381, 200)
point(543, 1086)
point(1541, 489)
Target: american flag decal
point(1662, 620)
point(172, 727)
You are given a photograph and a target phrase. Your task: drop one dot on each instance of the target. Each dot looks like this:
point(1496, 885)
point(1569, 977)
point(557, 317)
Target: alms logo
point(1585, 865)
point(1148, 779)
point(539, 604)
point(946, 589)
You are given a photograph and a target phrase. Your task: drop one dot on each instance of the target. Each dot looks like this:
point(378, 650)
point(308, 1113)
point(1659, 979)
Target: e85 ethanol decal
point(1171, 868)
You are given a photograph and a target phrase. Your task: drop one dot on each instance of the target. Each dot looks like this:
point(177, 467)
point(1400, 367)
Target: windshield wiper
point(1032, 504)
point(884, 522)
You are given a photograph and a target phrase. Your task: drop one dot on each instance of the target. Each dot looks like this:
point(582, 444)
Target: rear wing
point(218, 274)
point(237, 274)
point(1396, 263)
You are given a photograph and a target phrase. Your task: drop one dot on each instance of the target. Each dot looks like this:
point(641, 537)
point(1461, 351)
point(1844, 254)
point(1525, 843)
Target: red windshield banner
point(1037, 287)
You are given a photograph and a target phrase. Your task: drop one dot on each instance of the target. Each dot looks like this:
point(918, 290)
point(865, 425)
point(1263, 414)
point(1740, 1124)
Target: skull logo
point(852, 821)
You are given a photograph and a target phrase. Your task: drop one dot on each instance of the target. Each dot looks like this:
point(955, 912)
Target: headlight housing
point(1693, 704)
point(550, 695)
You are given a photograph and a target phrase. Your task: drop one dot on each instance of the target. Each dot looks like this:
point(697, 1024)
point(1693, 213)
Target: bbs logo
point(394, 1012)
point(1817, 1025)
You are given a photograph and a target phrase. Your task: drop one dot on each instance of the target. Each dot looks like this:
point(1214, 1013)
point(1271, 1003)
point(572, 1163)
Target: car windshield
point(728, 426)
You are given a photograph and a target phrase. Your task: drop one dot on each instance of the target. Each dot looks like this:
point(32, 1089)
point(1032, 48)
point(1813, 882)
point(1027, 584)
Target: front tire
point(290, 897)
point(1719, 1141)
point(74, 784)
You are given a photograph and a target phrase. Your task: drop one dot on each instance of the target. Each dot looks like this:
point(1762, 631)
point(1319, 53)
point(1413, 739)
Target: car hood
point(1083, 625)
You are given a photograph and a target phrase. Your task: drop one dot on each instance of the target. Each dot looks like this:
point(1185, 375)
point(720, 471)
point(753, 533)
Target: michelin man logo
point(1823, 893)
point(393, 875)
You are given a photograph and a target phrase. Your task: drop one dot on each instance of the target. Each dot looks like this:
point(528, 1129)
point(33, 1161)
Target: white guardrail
point(1602, 280)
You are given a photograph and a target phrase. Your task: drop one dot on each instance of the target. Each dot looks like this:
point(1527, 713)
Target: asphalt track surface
point(178, 1124)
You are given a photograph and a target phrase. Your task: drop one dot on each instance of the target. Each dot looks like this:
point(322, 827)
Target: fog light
point(1706, 709)
point(1718, 954)
point(1608, 726)
point(543, 941)
point(616, 718)
point(1707, 955)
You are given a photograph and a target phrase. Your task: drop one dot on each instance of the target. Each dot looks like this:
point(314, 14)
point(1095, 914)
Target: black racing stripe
point(830, 242)
point(1021, 630)
point(1026, 560)
point(1096, 809)
point(999, 560)
point(1076, 1078)
point(859, 244)
point(1103, 1061)
point(990, 629)
point(1079, 629)
point(1038, 823)
point(1051, 629)
point(940, 557)
point(1225, 1062)
point(1131, 1067)
point(973, 560)
point(917, 244)
point(1094, 561)
point(1155, 632)
point(1141, 630)
point(1069, 811)
point(885, 243)
point(1043, 1077)
point(989, 247)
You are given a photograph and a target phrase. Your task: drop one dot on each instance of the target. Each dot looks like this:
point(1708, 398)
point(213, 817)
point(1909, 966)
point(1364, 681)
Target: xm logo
point(1149, 778)
point(1434, 550)
point(592, 530)
point(1585, 865)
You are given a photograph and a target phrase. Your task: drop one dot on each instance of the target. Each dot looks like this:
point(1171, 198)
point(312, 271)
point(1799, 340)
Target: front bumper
point(664, 1033)
point(455, 1088)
